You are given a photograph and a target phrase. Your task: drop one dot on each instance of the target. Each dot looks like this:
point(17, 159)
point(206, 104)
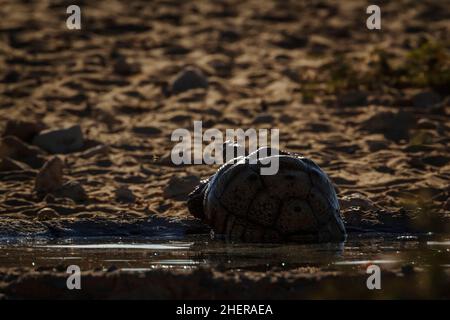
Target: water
point(138, 255)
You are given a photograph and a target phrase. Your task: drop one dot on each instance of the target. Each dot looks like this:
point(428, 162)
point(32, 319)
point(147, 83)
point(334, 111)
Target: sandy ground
point(370, 107)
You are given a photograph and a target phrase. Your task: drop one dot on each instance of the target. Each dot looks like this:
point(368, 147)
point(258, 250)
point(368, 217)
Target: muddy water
point(135, 255)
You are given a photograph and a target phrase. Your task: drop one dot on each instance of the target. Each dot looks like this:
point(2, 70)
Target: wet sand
point(370, 107)
point(211, 284)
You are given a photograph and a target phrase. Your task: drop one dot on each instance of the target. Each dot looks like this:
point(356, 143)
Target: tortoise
point(297, 204)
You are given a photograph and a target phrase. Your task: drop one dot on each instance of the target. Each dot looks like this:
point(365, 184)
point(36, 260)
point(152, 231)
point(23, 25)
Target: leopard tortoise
point(297, 204)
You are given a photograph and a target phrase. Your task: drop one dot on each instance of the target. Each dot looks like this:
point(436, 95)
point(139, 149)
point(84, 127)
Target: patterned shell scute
point(298, 203)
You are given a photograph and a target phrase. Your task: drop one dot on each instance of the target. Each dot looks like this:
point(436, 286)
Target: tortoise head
point(195, 200)
point(197, 196)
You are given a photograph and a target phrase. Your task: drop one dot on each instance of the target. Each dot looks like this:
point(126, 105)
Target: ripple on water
point(365, 262)
point(128, 246)
point(438, 243)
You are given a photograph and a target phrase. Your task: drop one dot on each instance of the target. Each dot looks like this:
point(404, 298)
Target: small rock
point(47, 214)
point(385, 169)
point(292, 40)
point(100, 149)
point(426, 124)
point(12, 76)
point(179, 187)
point(50, 176)
point(353, 216)
point(146, 130)
point(72, 190)
point(447, 205)
point(24, 130)
point(352, 99)
point(229, 35)
point(393, 125)
point(124, 194)
point(357, 200)
point(221, 66)
point(426, 99)
point(319, 45)
point(286, 119)
point(187, 79)
point(8, 164)
point(408, 269)
point(436, 160)
point(14, 148)
point(176, 49)
point(416, 27)
point(264, 118)
point(49, 198)
point(60, 141)
point(380, 100)
point(165, 159)
point(377, 145)
point(124, 67)
point(112, 268)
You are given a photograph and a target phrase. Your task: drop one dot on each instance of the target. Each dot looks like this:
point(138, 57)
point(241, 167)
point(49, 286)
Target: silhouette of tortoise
point(298, 203)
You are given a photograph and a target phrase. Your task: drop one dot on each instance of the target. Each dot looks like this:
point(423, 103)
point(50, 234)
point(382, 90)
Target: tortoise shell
point(298, 203)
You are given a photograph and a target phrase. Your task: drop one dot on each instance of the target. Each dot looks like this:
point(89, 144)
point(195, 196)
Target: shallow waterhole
point(142, 254)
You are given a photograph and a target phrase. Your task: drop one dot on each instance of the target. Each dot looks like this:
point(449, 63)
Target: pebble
point(47, 214)
point(72, 190)
point(319, 45)
point(112, 268)
point(49, 198)
point(14, 148)
point(50, 176)
point(377, 145)
point(436, 160)
point(146, 130)
point(61, 140)
point(352, 99)
point(264, 118)
point(408, 269)
point(426, 124)
point(187, 79)
point(393, 125)
point(8, 164)
point(100, 149)
point(447, 205)
point(292, 41)
point(24, 130)
point(124, 67)
point(426, 99)
point(124, 194)
point(357, 200)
